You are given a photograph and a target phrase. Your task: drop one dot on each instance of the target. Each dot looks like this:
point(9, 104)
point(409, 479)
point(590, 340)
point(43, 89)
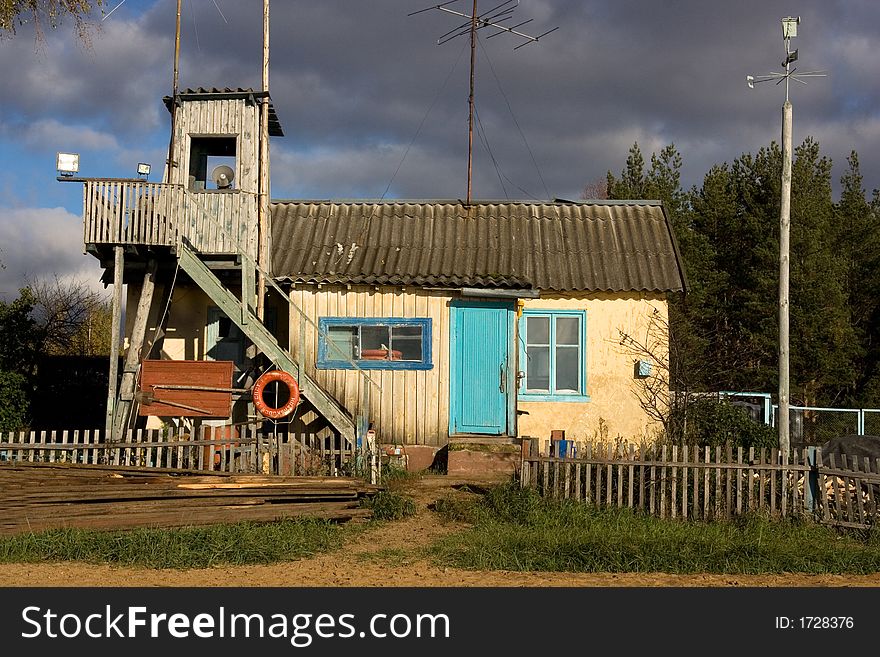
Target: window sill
point(373, 365)
point(526, 397)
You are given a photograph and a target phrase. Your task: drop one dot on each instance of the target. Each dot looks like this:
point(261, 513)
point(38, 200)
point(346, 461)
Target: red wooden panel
point(211, 373)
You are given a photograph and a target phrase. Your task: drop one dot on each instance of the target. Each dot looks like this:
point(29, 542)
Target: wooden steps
point(36, 497)
point(324, 403)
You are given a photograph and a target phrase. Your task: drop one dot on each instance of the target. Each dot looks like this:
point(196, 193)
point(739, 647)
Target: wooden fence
point(246, 450)
point(707, 483)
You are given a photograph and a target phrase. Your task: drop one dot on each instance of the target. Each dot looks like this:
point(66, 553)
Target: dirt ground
point(359, 563)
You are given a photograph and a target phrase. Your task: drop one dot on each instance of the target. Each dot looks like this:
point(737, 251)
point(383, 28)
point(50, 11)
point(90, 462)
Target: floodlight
point(790, 57)
point(67, 164)
point(750, 80)
point(143, 169)
point(789, 27)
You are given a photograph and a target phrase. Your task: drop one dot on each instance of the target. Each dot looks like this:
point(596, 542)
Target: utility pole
point(263, 199)
point(784, 260)
point(789, 31)
point(174, 91)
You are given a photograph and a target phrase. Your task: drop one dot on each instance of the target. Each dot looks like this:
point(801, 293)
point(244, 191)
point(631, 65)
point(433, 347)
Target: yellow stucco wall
point(614, 407)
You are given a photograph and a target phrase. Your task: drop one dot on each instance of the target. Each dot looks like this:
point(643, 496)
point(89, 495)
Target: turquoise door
point(480, 394)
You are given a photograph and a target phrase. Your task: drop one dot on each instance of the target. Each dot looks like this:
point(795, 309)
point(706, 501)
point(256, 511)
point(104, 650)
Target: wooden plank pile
point(38, 496)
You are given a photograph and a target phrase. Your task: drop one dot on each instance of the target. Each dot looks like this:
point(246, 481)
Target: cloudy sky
point(358, 84)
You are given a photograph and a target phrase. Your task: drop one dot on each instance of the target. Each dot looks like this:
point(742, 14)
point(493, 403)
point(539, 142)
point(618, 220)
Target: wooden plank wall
point(413, 405)
point(238, 208)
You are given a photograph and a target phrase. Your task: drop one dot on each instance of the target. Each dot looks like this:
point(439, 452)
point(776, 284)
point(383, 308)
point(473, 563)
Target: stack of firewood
point(35, 497)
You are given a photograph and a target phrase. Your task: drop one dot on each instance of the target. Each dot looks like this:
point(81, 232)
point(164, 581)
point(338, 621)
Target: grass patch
point(390, 505)
point(516, 529)
point(186, 547)
point(394, 477)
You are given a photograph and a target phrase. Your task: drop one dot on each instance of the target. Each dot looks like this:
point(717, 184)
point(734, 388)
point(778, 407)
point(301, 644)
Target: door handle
point(502, 387)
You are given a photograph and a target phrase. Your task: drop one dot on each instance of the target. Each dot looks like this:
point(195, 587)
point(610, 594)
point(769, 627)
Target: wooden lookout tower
point(204, 229)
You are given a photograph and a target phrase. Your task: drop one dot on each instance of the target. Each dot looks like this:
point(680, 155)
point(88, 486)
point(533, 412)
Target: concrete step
point(470, 456)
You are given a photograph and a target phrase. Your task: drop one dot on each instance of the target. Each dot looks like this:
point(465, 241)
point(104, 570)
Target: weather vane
point(491, 19)
point(789, 31)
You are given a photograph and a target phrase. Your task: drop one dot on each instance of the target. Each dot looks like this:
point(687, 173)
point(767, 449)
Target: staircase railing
point(249, 262)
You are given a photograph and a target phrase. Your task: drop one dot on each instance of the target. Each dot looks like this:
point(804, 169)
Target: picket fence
point(706, 483)
point(242, 449)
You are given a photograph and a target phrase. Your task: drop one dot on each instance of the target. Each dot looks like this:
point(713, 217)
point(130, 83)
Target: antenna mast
point(491, 19)
point(263, 197)
point(174, 91)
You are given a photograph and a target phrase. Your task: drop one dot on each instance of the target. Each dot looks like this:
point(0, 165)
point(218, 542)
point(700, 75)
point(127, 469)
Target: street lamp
point(789, 31)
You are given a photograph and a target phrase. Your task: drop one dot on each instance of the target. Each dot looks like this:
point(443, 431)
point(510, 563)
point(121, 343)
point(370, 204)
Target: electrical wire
point(484, 139)
point(412, 141)
point(220, 11)
point(515, 122)
point(160, 333)
point(195, 26)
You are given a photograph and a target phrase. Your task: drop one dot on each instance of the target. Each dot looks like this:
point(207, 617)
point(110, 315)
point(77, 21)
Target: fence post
point(811, 486)
point(523, 468)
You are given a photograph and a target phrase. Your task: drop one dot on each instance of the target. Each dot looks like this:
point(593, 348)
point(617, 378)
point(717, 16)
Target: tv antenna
point(474, 21)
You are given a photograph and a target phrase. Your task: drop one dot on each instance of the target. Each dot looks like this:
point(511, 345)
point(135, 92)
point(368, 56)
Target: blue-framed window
point(553, 355)
point(374, 343)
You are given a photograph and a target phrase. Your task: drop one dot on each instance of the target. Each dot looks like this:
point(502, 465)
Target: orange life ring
point(260, 386)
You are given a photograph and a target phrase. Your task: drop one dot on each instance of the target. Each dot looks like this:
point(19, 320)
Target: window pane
point(567, 330)
point(538, 368)
point(406, 343)
point(375, 342)
point(568, 369)
point(341, 342)
point(538, 330)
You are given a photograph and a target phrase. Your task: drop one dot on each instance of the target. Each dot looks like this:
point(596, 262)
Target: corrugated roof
point(560, 246)
point(201, 93)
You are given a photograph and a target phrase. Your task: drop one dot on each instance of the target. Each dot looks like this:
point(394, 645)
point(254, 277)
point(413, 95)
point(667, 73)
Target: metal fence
point(809, 425)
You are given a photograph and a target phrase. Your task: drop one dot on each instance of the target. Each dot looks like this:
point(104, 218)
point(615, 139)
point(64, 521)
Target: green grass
point(187, 547)
point(395, 477)
point(515, 529)
point(390, 505)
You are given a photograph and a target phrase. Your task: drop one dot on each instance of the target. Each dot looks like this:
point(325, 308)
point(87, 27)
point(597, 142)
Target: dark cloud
point(353, 82)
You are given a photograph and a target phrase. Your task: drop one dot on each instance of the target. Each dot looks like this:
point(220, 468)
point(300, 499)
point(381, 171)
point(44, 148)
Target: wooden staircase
point(323, 403)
